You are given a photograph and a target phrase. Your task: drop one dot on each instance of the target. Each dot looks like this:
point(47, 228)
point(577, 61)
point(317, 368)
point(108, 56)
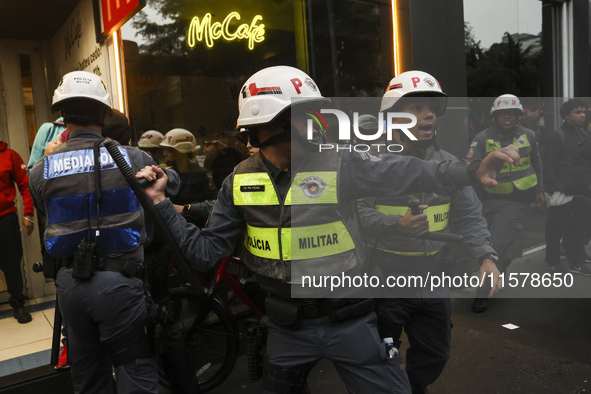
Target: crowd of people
point(99, 243)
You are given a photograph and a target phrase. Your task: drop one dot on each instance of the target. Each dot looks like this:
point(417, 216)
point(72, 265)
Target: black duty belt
point(126, 267)
point(312, 309)
point(290, 312)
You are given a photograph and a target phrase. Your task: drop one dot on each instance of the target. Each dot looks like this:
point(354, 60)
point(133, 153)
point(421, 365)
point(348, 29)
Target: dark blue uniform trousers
point(353, 345)
point(97, 311)
point(505, 222)
point(427, 324)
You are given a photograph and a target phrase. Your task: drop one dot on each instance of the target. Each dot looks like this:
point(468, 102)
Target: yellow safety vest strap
point(254, 189)
point(519, 142)
point(526, 182)
point(438, 215)
point(298, 243)
point(492, 145)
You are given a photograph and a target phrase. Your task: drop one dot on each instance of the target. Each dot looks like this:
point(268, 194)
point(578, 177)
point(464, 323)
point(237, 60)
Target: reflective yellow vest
point(438, 213)
point(304, 229)
point(522, 177)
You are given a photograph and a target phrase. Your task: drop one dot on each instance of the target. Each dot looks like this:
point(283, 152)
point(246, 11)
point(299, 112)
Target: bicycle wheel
point(212, 343)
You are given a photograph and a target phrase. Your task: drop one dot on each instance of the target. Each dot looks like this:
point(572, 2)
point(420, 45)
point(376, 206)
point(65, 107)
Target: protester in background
point(561, 146)
point(13, 170)
point(47, 133)
point(578, 184)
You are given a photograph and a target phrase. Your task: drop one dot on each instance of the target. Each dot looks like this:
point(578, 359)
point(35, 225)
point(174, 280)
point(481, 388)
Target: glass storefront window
point(185, 61)
point(503, 43)
point(351, 46)
point(171, 84)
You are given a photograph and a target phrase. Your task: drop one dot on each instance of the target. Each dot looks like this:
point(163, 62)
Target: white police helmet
point(413, 83)
point(269, 92)
point(80, 85)
point(507, 101)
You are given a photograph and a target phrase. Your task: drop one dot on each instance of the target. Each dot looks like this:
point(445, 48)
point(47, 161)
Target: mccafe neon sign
point(204, 30)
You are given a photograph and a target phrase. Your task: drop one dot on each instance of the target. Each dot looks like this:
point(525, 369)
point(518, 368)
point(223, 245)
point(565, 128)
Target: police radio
point(83, 262)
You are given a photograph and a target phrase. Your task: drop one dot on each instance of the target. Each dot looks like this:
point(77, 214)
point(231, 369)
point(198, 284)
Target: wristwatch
point(186, 209)
point(493, 256)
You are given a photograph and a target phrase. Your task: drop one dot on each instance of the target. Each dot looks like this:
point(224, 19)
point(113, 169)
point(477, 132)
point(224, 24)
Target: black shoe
point(21, 315)
point(580, 269)
point(479, 305)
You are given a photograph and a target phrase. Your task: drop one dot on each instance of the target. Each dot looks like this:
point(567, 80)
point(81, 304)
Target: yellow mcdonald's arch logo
point(204, 30)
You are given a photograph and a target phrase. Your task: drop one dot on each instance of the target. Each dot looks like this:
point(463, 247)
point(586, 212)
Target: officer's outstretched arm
point(494, 162)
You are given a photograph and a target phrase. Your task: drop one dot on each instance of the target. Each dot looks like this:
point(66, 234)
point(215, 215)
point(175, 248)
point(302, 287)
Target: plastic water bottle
point(390, 349)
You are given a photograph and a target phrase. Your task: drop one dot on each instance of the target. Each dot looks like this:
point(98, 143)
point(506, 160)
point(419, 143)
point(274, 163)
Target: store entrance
point(24, 106)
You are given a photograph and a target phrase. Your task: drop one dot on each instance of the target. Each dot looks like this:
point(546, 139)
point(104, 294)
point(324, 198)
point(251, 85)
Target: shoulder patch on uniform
point(470, 154)
point(474, 144)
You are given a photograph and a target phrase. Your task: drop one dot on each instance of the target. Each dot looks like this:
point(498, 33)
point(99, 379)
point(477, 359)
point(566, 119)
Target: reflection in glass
point(503, 43)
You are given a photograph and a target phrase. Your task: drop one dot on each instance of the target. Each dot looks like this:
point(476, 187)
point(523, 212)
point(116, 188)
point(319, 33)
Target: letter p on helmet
point(297, 84)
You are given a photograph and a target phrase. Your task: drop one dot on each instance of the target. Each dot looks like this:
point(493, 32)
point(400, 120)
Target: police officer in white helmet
point(389, 227)
point(96, 232)
point(257, 199)
point(504, 205)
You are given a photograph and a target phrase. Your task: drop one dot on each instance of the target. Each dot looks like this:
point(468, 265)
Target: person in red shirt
point(14, 171)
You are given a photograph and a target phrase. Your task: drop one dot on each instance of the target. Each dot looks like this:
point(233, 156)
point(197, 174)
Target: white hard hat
point(413, 83)
point(506, 101)
point(181, 140)
point(150, 139)
point(269, 92)
point(80, 85)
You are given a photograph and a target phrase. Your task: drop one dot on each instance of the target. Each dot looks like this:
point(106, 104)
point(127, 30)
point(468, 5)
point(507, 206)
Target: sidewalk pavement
point(550, 352)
